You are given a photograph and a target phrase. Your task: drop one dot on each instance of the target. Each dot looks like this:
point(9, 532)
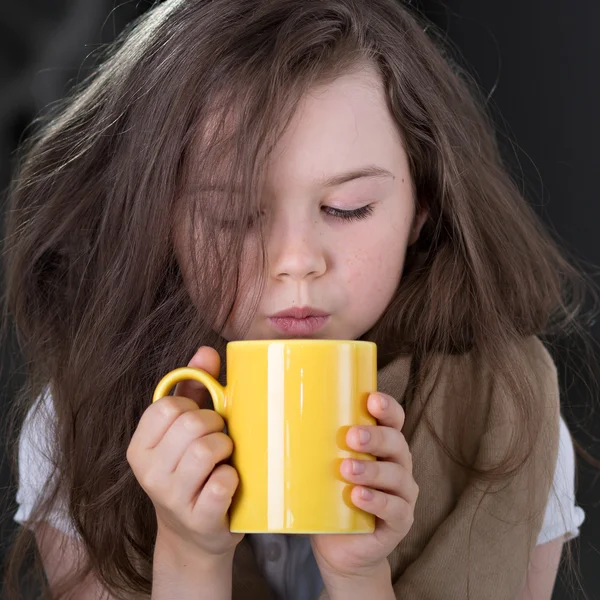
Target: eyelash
point(345, 215)
point(349, 215)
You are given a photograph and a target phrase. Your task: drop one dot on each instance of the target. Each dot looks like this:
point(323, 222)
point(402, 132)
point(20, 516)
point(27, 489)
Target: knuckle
point(131, 456)
point(192, 421)
point(402, 447)
point(383, 500)
point(212, 419)
point(378, 438)
point(399, 475)
point(151, 481)
point(201, 452)
point(404, 511)
point(403, 482)
point(171, 500)
point(372, 470)
point(169, 407)
point(223, 483)
point(229, 476)
point(225, 443)
point(220, 422)
point(416, 491)
point(402, 443)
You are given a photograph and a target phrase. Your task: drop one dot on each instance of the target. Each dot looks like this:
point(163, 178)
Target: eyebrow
point(327, 182)
point(367, 171)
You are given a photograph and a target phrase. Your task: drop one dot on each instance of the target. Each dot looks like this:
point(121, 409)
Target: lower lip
point(292, 326)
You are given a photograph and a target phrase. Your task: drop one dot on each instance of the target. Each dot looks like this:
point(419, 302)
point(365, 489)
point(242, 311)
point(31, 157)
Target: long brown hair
point(194, 88)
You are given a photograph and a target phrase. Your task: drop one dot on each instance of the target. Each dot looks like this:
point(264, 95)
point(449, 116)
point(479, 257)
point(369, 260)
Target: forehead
point(338, 127)
point(335, 127)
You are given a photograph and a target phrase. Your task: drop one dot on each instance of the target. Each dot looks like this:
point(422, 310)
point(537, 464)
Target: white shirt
point(286, 561)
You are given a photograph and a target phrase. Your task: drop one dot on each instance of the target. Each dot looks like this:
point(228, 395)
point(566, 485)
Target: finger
point(197, 463)
point(386, 410)
point(215, 498)
point(156, 421)
point(207, 359)
point(396, 513)
point(385, 476)
point(383, 442)
point(189, 426)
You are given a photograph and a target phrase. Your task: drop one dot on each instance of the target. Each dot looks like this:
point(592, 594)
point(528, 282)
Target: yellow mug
point(288, 405)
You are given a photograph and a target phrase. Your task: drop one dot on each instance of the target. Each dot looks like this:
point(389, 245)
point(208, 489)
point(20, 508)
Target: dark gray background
point(538, 61)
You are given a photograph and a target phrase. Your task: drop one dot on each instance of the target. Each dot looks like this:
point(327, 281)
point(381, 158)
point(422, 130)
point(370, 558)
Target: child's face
point(347, 269)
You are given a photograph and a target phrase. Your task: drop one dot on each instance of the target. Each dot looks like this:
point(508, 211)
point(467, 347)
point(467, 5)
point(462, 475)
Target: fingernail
point(366, 494)
point(364, 436)
point(357, 467)
point(383, 402)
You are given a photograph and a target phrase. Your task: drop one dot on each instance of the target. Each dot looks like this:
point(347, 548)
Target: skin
point(348, 268)
point(316, 258)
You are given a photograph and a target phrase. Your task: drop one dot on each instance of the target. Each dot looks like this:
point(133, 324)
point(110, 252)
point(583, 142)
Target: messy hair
point(196, 93)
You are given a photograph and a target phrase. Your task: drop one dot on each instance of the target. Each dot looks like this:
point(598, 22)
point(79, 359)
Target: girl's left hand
point(385, 488)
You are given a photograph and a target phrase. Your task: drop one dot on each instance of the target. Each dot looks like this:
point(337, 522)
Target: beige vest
point(463, 543)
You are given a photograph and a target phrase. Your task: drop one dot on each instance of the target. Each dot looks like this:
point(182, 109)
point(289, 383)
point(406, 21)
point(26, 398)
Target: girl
point(243, 169)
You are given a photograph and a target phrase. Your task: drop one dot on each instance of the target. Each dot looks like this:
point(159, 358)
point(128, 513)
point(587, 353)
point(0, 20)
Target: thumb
point(207, 359)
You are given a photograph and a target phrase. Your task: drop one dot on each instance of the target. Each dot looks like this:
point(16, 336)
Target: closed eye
point(349, 215)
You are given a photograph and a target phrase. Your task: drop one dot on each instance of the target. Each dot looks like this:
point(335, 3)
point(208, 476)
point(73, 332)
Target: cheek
point(373, 276)
point(374, 270)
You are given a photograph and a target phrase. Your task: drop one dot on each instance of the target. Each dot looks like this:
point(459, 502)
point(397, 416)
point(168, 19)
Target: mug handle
point(215, 389)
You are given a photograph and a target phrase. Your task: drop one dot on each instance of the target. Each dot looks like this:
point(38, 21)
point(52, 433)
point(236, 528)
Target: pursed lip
point(299, 321)
point(299, 313)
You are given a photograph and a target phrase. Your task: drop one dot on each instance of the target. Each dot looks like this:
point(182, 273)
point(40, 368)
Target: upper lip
point(300, 313)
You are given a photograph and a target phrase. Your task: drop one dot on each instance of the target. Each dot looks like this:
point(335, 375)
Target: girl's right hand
point(175, 454)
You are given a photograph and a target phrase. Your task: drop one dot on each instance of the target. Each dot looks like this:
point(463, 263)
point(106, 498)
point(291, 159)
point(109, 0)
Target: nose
point(296, 250)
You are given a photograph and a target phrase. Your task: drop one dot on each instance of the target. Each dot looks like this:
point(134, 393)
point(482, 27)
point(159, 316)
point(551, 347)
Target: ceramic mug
point(288, 405)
